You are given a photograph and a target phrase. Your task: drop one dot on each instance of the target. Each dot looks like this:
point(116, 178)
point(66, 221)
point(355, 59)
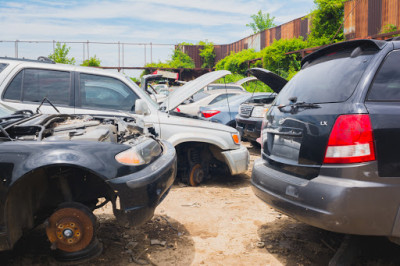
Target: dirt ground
point(220, 222)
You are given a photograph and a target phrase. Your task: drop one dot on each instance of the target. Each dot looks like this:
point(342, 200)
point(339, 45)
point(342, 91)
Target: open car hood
point(245, 80)
point(274, 81)
point(181, 94)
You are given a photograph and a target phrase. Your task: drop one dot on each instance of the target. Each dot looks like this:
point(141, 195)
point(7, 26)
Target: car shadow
point(295, 243)
point(121, 245)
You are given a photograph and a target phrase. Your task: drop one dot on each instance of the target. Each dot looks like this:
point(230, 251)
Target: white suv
point(202, 146)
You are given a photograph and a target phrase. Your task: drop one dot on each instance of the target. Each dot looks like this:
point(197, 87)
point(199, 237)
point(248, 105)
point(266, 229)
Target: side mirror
point(141, 107)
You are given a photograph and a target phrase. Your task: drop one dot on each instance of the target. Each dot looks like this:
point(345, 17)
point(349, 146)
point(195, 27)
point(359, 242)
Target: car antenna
point(227, 99)
point(45, 99)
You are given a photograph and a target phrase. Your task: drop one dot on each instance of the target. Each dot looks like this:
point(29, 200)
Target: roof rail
point(40, 59)
point(397, 38)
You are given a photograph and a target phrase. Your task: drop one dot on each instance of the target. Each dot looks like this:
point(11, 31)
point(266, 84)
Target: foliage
point(60, 54)
point(326, 20)
point(180, 60)
point(253, 86)
point(207, 54)
point(136, 80)
point(237, 63)
point(276, 60)
point(92, 61)
point(389, 28)
point(261, 22)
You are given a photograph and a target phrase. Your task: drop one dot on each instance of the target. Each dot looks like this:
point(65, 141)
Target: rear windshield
point(330, 78)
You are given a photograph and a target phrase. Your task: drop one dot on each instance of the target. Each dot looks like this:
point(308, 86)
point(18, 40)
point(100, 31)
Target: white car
point(202, 146)
point(207, 98)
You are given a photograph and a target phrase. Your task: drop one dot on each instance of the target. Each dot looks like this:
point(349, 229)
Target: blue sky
point(133, 21)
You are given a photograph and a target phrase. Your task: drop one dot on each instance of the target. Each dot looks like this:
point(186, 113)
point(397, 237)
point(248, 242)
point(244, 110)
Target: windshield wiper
point(45, 99)
point(295, 106)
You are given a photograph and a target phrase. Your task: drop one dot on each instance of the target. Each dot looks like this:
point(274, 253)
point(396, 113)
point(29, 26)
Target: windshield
point(148, 99)
point(222, 87)
point(330, 78)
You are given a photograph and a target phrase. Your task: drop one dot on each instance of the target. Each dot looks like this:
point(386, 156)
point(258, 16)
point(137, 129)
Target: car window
point(386, 85)
point(14, 89)
point(329, 78)
point(222, 97)
point(2, 66)
point(105, 92)
point(223, 87)
point(35, 84)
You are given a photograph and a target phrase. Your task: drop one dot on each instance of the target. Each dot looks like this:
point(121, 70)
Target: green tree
point(207, 54)
point(261, 22)
point(326, 20)
point(60, 54)
point(92, 61)
point(180, 60)
point(237, 63)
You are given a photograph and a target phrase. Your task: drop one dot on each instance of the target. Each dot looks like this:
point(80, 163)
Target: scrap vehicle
point(57, 168)
point(202, 147)
point(330, 141)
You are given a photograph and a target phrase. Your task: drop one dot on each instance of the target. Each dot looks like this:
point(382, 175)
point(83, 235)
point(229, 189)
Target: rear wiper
point(295, 106)
point(45, 99)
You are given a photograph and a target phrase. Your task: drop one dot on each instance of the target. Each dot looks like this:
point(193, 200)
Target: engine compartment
point(75, 127)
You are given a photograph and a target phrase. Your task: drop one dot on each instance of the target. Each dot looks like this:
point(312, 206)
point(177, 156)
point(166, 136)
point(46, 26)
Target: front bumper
point(140, 193)
point(237, 160)
point(249, 128)
point(345, 205)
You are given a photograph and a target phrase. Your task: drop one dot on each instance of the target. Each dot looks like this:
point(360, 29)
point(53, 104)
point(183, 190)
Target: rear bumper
point(336, 204)
point(237, 160)
point(249, 128)
point(141, 192)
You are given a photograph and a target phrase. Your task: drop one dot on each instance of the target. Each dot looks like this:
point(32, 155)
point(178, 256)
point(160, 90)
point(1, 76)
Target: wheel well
point(208, 154)
point(35, 196)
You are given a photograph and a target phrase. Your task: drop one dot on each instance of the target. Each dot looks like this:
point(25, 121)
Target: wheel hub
point(70, 229)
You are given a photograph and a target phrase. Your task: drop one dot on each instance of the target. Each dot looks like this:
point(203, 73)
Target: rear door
point(383, 104)
point(298, 125)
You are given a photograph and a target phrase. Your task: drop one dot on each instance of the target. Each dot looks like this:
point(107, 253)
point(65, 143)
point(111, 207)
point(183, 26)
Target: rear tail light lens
point(210, 113)
point(351, 140)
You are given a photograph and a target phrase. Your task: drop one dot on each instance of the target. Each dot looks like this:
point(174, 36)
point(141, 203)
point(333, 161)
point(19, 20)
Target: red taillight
point(210, 113)
point(351, 140)
point(178, 110)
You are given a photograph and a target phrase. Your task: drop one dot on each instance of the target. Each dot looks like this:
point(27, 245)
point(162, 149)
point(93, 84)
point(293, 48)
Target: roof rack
point(397, 38)
point(40, 59)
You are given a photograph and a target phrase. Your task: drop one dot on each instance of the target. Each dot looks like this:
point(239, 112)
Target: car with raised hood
point(201, 146)
point(57, 168)
point(330, 141)
point(251, 112)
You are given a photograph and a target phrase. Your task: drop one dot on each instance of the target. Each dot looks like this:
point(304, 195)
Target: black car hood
point(274, 81)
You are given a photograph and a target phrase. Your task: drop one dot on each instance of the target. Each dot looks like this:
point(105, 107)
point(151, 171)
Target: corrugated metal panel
point(390, 12)
point(272, 37)
point(278, 33)
point(296, 27)
point(287, 30)
point(361, 11)
point(262, 39)
point(350, 22)
point(304, 29)
point(374, 16)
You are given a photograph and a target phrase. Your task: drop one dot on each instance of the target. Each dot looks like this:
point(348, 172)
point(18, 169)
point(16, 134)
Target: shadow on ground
point(295, 243)
point(122, 245)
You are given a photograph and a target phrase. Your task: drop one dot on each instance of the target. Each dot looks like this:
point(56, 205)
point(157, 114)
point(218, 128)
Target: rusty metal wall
point(374, 16)
point(292, 29)
point(366, 18)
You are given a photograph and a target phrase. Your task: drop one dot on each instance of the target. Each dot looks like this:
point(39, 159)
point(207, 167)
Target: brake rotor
point(70, 229)
point(196, 175)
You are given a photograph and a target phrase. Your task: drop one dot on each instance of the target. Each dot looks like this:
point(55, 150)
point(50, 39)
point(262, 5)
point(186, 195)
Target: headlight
point(236, 138)
point(140, 154)
point(259, 111)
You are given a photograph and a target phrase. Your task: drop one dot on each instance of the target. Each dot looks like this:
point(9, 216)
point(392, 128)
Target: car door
point(97, 94)
point(28, 88)
point(383, 104)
